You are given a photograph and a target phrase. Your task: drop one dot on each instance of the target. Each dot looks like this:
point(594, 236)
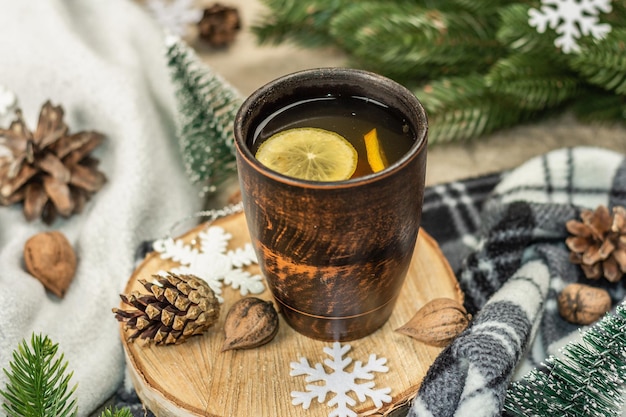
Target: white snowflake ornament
point(175, 15)
point(340, 381)
point(571, 19)
point(212, 262)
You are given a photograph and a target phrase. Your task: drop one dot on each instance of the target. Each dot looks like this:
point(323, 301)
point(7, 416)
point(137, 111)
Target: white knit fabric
point(103, 61)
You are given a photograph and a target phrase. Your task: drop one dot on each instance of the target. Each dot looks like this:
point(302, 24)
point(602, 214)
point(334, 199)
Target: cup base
point(336, 329)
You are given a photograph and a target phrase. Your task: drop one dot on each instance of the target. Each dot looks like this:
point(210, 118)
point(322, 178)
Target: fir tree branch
point(462, 108)
point(515, 32)
point(599, 106)
point(116, 412)
point(409, 42)
point(603, 63)
point(533, 81)
point(37, 382)
point(616, 17)
point(505, 70)
point(443, 93)
point(482, 7)
point(302, 22)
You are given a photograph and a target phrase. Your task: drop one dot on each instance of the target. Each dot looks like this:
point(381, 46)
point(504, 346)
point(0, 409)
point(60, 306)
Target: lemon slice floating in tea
point(309, 154)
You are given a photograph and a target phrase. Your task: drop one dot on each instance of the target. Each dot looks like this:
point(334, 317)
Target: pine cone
point(219, 25)
point(176, 308)
point(48, 169)
point(598, 243)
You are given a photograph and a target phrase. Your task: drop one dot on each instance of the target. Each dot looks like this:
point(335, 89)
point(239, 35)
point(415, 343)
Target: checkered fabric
point(507, 246)
point(451, 214)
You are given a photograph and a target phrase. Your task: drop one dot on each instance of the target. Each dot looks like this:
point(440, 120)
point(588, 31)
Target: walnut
point(438, 322)
point(50, 258)
point(250, 322)
point(583, 304)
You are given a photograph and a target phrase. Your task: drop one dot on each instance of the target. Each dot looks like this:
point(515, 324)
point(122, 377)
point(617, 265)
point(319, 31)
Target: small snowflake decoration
point(175, 15)
point(571, 19)
point(340, 381)
point(212, 262)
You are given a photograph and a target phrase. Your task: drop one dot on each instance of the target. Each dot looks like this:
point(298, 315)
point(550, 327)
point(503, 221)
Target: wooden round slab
point(196, 379)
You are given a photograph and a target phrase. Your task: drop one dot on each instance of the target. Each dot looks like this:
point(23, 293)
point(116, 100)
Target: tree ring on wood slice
point(196, 379)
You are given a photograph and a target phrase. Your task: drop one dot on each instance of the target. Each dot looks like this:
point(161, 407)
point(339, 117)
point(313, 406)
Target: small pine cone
point(175, 308)
point(219, 25)
point(598, 243)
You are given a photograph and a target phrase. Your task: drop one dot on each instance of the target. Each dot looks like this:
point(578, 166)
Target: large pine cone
point(598, 243)
point(48, 169)
point(176, 308)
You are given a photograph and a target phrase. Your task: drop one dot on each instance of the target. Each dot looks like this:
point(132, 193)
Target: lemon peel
point(375, 154)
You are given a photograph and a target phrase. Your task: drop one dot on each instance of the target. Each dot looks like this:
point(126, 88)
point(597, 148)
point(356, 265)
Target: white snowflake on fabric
point(571, 19)
point(340, 381)
point(211, 261)
point(175, 15)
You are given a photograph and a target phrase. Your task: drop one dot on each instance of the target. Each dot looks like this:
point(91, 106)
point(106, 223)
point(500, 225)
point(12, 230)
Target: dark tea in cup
point(301, 140)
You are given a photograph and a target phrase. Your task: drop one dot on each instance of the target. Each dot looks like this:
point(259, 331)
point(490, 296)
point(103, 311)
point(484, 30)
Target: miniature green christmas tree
point(586, 381)
point(207, 106)
point(476, 65)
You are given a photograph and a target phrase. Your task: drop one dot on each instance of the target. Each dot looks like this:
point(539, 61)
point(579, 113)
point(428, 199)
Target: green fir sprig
point(116, 412)
point(604, 64)
point(586, 381)
point(419, 43)
point(38, 384)
point(510, 72)
point(303, 22)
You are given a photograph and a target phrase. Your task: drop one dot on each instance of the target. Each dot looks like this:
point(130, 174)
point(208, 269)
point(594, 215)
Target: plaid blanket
point(503, 235)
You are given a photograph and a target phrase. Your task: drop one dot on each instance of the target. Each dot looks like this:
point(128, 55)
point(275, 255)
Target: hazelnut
point(50, 258)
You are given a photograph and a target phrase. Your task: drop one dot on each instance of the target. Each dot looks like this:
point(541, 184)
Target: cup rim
point(414, 151)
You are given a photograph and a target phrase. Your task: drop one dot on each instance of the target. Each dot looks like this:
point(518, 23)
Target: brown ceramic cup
point(335, 254)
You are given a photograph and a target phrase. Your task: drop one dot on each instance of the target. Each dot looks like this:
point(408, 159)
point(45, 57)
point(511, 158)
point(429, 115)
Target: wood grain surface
point(196, 379)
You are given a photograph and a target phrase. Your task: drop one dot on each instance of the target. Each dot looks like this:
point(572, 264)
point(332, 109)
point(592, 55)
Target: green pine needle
point(115, 412)
point(515, 32)
point(463, 108)
point(482, 7)
point(409, 42)
point(600, 107)
point(303, 22)
point(604, 63)
point(38, 385)
point(533, 82)
point(586, 381)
